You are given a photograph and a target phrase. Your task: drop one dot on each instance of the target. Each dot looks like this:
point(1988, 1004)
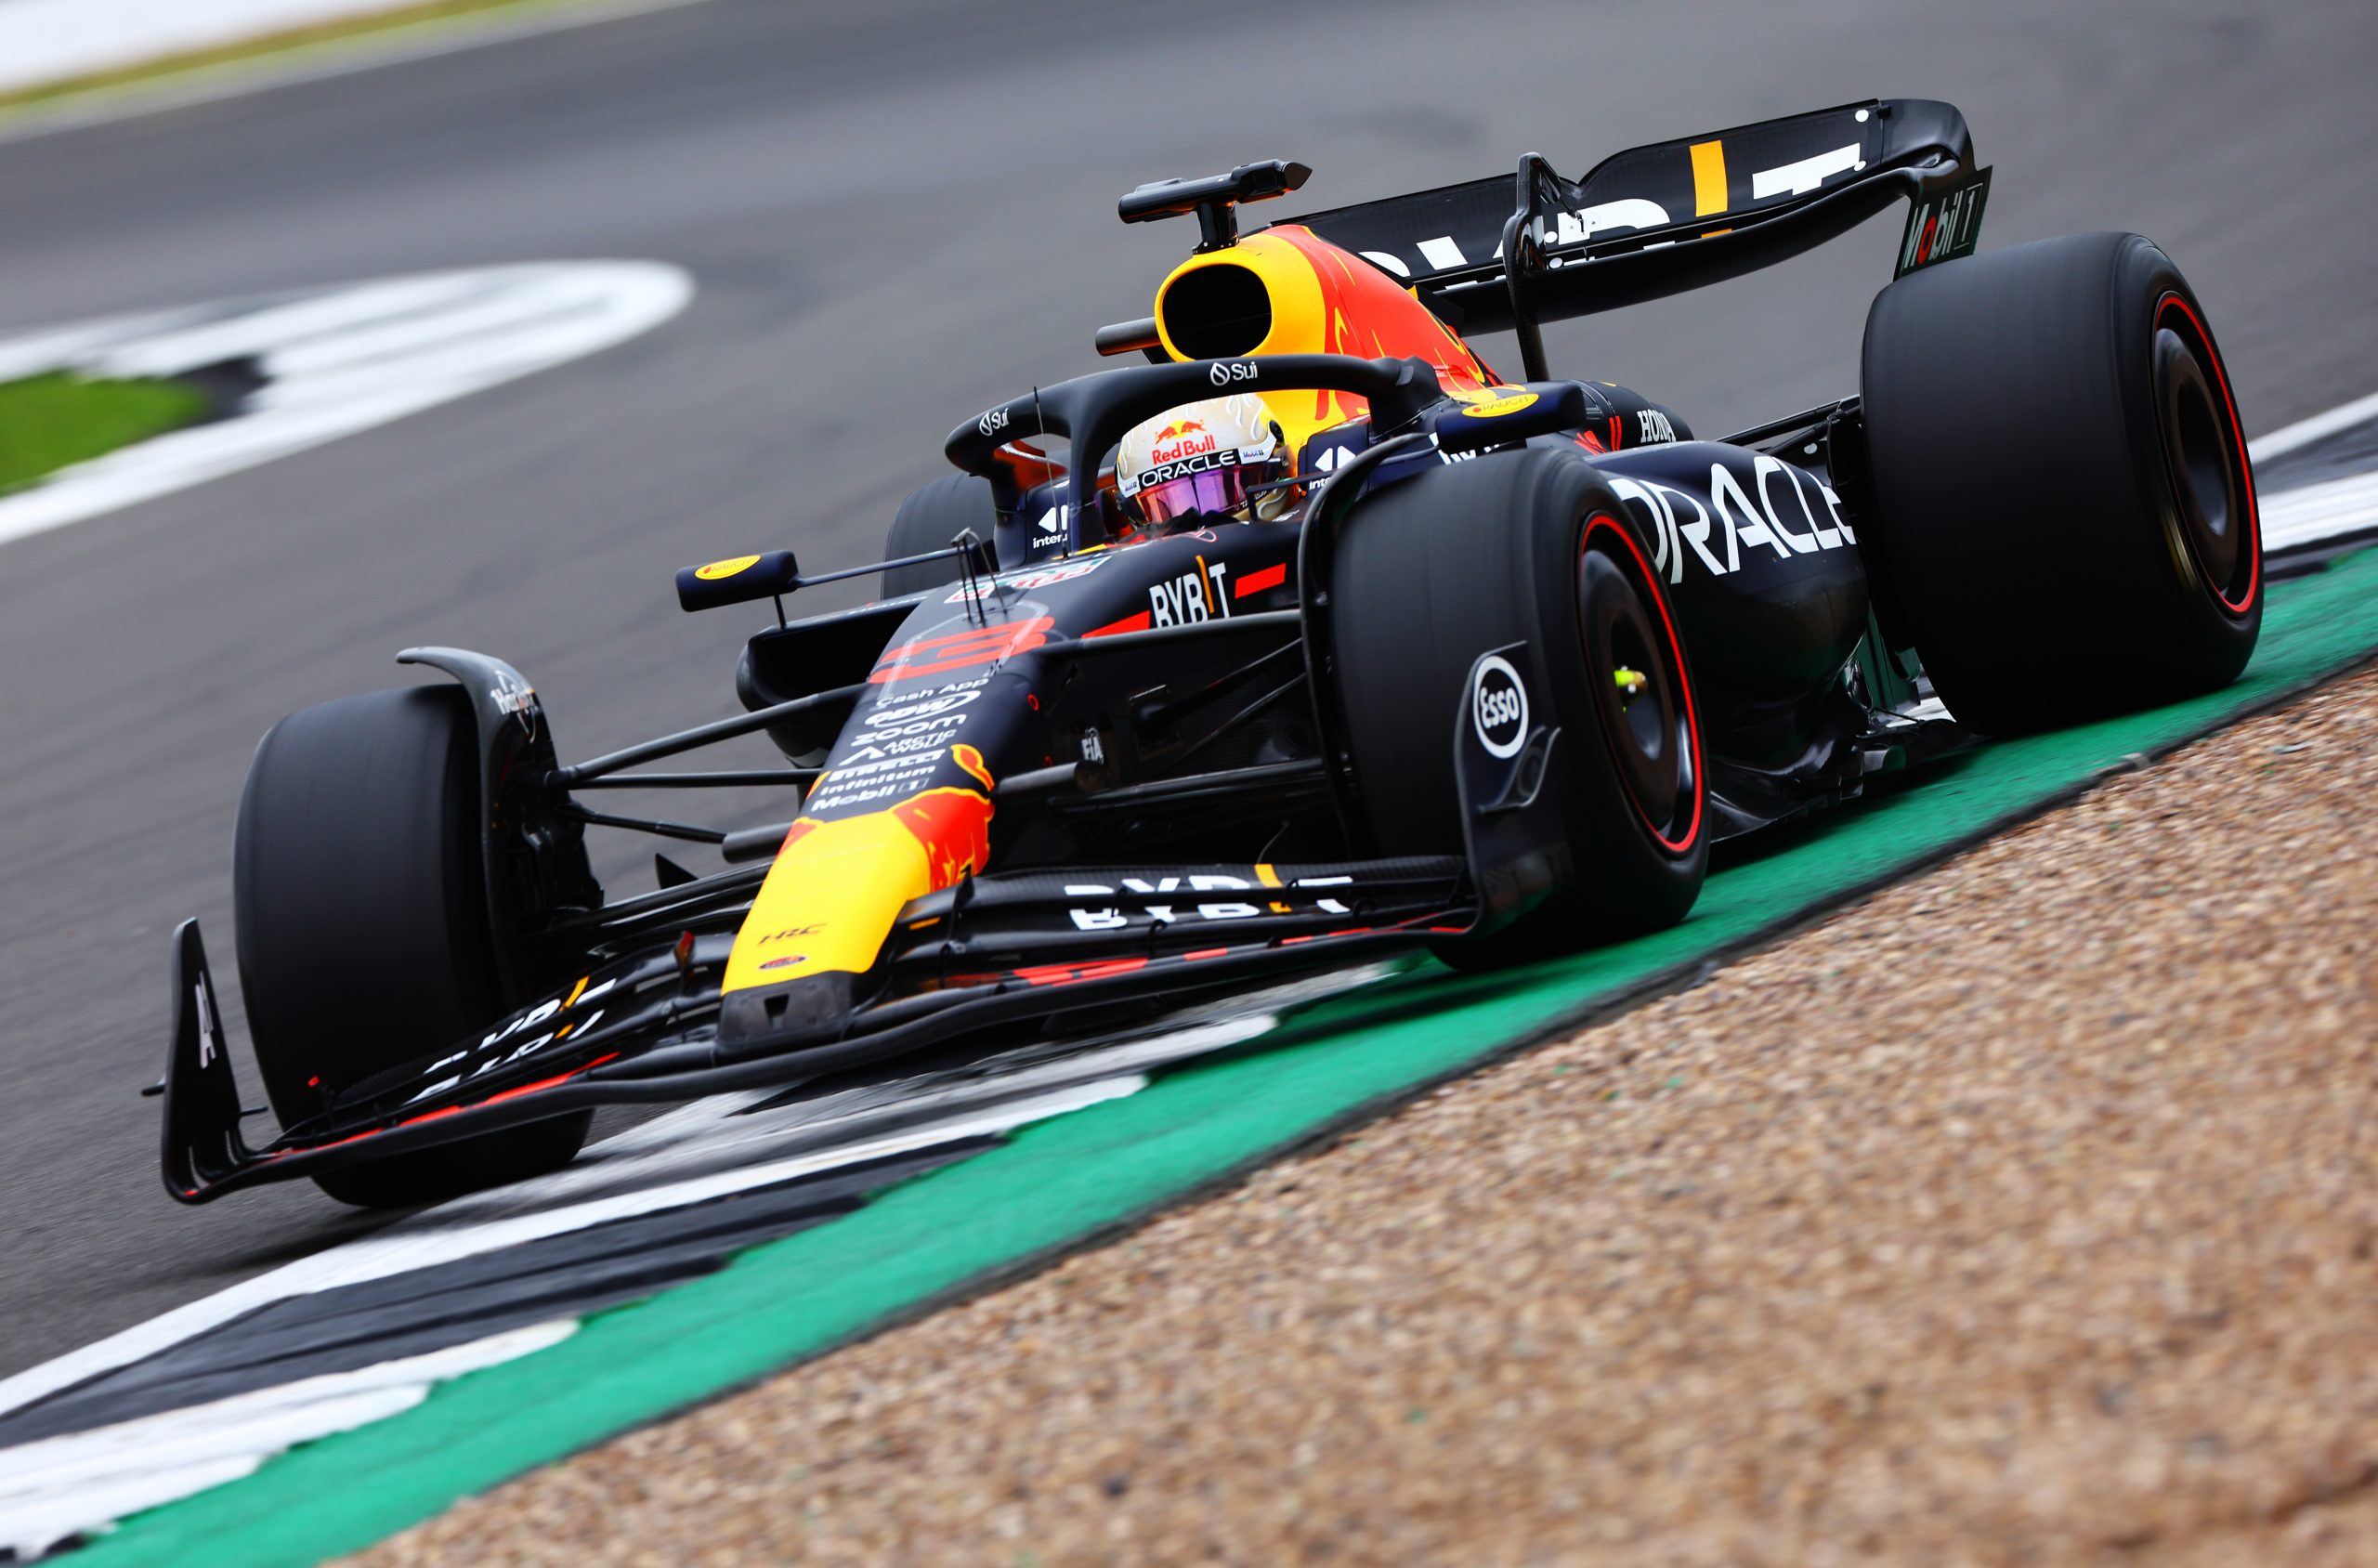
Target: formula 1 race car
point(1310, 638)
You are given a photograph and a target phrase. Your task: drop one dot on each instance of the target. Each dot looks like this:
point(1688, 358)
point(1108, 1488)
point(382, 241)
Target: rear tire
point(930, 519)
point(364, 941)
point(2063, 518)
point(1528, 546)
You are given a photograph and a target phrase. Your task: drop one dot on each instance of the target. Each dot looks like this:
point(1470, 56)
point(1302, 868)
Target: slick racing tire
point(364, 941)
point(929, 519)
point(2063, 517)
point(1523, 546)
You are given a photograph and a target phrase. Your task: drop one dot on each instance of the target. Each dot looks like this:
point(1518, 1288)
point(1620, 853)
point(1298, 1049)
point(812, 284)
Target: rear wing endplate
point(1662, 219)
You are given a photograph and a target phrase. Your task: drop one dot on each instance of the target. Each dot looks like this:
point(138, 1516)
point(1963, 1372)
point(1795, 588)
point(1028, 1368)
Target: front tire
point(364, 941)
point(1523, 546)
point(2063, 513)
point(930, 519)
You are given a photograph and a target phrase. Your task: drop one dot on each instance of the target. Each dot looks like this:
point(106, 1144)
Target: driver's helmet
point(1198, 459)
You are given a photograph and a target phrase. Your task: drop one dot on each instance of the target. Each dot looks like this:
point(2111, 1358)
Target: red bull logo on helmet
point(1182, 439)
point(1210, 427)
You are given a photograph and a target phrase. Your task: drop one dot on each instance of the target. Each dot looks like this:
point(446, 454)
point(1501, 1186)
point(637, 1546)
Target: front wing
point(998, 951)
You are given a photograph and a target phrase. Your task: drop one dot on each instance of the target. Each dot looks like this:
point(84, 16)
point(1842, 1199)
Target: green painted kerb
point(1063, 1180)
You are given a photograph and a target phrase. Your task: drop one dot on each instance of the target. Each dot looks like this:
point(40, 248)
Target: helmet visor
point(1217, 491)
point(1211, 491)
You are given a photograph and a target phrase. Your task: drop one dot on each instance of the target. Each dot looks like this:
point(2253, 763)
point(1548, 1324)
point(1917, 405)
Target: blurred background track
point(892, 215)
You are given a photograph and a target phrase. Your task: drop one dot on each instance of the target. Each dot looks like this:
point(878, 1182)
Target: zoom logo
point(1498, 706)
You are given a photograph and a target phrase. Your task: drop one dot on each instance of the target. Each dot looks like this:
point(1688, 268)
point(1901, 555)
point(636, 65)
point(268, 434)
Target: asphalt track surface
point(896, 214)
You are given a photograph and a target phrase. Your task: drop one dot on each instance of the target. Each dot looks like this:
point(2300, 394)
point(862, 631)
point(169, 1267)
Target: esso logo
point(1499, 706)
point(1225, 372)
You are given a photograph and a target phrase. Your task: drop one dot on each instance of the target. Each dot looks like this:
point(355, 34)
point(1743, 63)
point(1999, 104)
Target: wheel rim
point(2212, 520)
point(1642, 698)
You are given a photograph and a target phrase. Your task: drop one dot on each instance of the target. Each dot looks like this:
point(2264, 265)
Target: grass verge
point(48, 422)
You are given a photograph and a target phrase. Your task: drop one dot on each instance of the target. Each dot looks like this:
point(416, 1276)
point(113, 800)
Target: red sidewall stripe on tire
point(2238, 436)
point(1683, 685)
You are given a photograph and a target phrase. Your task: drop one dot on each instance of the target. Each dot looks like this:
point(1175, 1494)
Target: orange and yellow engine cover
point(1326, 300)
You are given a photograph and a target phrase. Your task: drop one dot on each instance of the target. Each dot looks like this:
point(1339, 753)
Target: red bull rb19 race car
point(1313, 638)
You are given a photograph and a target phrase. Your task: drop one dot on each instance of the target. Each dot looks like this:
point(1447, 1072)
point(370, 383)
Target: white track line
point(337, 362)
point(416, 1244)
point(2329, 510)
point(2304, 432)
point(62, 1486)
point(687, 1156)
point(55, 1488)
point(712, 1136)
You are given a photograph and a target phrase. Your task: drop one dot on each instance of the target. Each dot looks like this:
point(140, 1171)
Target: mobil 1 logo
point(1498, 706)
point(1945, 224)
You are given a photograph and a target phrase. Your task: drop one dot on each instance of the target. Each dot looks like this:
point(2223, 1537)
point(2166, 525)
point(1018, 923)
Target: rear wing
point(1671, 217)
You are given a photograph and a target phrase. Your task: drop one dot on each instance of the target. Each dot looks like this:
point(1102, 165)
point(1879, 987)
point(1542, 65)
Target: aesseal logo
point(1499, 706)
